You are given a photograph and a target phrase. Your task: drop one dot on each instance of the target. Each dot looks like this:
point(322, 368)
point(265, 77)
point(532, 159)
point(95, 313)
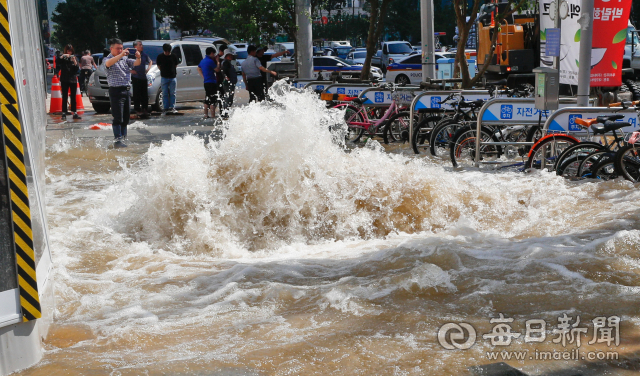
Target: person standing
point(68, 65)
point(119, 68)
point(264, 60)
point(251, 76)
point(167, 63)
point(87, 65)
point(56, 66)
point(220, 75)
point(139, 81)
point(231, 75)
point(208, 69)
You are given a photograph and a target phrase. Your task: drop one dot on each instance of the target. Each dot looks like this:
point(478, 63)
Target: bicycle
point(627, 159)
point(359, 121)
point(576, 160)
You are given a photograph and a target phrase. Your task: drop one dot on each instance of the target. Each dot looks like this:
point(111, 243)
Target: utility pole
point(586, 37)
point(304, 48)
point(428, 40)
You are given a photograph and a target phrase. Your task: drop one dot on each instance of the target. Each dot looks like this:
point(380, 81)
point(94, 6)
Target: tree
point(191, 16)
point(83, 24)
point(376, 25)
point(461, 10)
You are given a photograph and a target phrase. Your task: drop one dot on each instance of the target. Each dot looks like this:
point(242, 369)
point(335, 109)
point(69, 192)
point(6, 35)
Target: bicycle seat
point(614, 117)
point(357, 100)
point(586, 123)
point(609, 126)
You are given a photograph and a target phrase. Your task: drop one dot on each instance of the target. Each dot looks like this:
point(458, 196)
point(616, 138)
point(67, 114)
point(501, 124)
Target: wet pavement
point(141, 132)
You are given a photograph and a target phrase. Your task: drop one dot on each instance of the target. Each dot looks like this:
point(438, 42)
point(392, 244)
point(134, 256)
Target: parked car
point(392, 51)
point(189, 87)
point(323, 66)
point(358, 57)
point(376, 60)
point(408, 71)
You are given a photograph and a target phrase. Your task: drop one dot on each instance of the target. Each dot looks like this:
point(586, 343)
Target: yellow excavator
point(517, 45)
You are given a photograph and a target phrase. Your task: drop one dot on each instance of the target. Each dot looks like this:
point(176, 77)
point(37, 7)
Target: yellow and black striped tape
point(12, 132)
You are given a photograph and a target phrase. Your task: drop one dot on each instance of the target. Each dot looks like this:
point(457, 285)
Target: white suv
point(189, 87)
point(394, 51)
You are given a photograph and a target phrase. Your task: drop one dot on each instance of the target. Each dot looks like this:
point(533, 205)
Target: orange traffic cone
point(79, 105)
point(55, 107)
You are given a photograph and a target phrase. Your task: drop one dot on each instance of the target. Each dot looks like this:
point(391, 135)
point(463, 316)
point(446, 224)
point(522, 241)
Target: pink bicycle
point(393, 125)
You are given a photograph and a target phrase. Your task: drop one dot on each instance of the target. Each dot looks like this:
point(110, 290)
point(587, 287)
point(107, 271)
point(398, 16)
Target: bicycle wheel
point(627, 162)
point(569, 161)
point(422, 131)
point(396, 128)
point(463, 146)
point(548, 149)
point(441, 136)
point(534, 134)
point(605, 169)
point(586, 168)
point(351, 116)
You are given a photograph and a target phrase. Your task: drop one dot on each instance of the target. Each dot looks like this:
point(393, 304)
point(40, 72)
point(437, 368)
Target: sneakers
point(64, 117)
point(76, 117)
point(174, 111)
point(119, 143)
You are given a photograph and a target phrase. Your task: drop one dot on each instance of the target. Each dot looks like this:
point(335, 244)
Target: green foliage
point(343, 27)
point(82, 23)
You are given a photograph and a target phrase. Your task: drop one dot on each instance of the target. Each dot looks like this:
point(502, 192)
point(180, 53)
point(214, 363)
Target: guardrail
point(431, 100)
point(563, 120)
point(515, 111)
point(379, 97)
point(347, 89)
point(318, 85)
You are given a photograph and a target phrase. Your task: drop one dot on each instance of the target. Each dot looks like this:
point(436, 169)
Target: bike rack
point(377, 97)
point(318, 85)
point(432, 98)
point(514, 111)
point(563, 120)
point(346, 88)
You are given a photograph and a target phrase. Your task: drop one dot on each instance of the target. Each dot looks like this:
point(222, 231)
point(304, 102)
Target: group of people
point(216, 68)
point(66, 69)
point(254, 71)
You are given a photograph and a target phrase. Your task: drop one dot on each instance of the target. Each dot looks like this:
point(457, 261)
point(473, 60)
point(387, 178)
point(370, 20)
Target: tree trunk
point(376, 25)
point(371, 40)
point(148, 15)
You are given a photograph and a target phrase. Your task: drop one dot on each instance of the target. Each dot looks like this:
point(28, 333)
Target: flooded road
point(272, 251)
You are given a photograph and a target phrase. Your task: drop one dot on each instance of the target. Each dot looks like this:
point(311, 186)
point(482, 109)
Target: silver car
point(189, 86)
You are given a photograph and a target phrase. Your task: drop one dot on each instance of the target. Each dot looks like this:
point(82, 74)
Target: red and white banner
point(610, 20)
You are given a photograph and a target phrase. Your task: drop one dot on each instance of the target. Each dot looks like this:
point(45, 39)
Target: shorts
point(211, 93)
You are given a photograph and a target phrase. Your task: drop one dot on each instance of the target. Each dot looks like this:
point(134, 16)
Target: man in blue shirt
point(208, 68)
point(119, 68)
point(139, 81)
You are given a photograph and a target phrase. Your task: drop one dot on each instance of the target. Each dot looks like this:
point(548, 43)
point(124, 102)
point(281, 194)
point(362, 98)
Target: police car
point(409, 70)
point(323, 66)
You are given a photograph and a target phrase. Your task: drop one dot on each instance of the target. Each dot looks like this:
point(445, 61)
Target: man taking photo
point(119, 68)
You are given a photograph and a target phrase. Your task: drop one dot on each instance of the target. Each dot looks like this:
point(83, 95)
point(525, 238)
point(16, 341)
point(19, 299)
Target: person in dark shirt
point(167, 63)
point(139, 81)
point(68, 65)
point(231, 79)
point(265, 59)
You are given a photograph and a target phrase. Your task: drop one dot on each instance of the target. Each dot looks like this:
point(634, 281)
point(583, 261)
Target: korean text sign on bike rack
point(517, 110)
point(375, 97)
point(564, 120)
point(347, 89)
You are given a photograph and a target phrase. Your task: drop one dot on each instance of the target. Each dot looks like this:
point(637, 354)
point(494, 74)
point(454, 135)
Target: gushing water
point(279, 250)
